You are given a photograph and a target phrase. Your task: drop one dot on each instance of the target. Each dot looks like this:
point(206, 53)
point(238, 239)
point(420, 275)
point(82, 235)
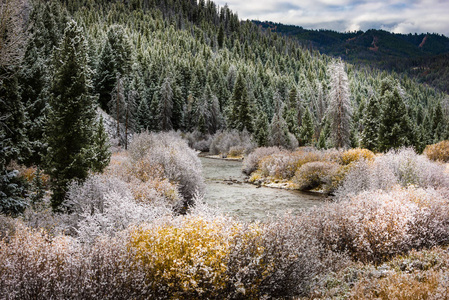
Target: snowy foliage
point(283, 165)
point(376, 225)
point(169, 153)
point(103, 206)
point(198, 140)
point(402, 166)
point(189, 257)
point(222, 142)
point(251, 162)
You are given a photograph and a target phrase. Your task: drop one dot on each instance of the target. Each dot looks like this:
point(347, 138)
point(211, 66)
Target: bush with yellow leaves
point(353, 155)
point(438, 151)
point(317, 175)
point(185, 258)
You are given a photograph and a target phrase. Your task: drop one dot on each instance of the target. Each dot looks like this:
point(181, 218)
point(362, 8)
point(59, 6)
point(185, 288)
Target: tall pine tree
point(370, 123)
point(71, 120)
point(394, 124)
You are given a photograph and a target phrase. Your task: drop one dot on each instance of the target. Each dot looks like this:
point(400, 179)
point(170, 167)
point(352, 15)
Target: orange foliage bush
point(353, 155)
point(438, 152)
point(30, 173)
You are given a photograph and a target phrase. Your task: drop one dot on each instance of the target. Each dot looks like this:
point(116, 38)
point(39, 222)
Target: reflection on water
point(227, 192)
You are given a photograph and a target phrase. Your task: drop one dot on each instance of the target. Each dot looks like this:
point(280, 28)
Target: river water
point(226, 190)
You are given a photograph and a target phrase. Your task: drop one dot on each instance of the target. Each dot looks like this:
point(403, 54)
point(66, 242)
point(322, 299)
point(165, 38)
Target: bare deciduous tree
point(13, 16)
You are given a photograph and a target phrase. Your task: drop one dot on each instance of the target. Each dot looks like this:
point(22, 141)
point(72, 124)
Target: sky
point(420, 16)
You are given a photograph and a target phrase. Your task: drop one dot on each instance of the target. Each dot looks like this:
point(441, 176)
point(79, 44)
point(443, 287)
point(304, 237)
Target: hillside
point(414, 54)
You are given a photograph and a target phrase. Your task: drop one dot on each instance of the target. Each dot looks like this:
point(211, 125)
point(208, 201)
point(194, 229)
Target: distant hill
point(424, 56)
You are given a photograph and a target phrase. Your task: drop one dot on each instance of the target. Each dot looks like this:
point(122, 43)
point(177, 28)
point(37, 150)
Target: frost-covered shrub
point(236, 151)
point(103, 206)
point(413, 169)
point(251, 162)
point(317, 175)
point(222, 142)
point(277, 259)
point(417, 275)
point(438, 152)
point(155, 192)
point(403, 167)
point(198, 140)
point(42, 217)
point(35, 266)
point(166, 155)
point(7, 227)
point(283, 165)
point(191, 257)
point(375, 225)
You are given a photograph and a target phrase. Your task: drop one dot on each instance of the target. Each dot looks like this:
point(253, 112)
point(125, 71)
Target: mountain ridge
point(421, 56)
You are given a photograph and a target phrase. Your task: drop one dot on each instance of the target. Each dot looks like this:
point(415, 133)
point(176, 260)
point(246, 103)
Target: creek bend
point(226, 190)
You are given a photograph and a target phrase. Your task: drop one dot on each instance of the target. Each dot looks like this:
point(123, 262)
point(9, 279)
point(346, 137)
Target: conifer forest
point(110, 110)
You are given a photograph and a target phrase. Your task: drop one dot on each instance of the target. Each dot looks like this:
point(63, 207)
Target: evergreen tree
point(143, 115)
point(438, 124)
point(241, 117)
point(12, 146)
point(101, 147)
point(203, 112)
point(38, 191)
point(291, 117)
point(261, 129)
point(278, 128)
point(72, 114)
point(221, 37)
point(117, 108)
point(307, 129)
point(166, 105)
point(394, 124)
point(370, 123)
point(115, 58)
point(340, 110)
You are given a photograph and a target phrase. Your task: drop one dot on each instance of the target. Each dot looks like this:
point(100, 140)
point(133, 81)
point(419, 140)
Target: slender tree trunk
point(117, 108)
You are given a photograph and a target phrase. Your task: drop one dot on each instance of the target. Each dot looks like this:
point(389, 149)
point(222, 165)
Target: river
point(226, 190)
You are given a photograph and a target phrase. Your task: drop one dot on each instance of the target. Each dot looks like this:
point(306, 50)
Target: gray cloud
point(399, 16)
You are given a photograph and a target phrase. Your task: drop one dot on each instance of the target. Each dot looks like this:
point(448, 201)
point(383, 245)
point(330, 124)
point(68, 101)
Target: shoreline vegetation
point(129, 233)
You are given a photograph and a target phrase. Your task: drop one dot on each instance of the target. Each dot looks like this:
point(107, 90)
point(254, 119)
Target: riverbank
point(228, 190)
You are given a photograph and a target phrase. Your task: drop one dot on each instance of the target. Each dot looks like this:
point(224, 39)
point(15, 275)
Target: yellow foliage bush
point(187, 258)
point(356, 154)
point(316, 175)
point(438, 152)
point(30, 173)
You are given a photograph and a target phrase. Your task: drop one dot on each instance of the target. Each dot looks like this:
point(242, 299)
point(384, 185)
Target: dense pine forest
point(101, 103)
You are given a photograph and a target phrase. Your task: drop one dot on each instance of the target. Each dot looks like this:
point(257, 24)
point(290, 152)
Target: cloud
point(401, 16)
